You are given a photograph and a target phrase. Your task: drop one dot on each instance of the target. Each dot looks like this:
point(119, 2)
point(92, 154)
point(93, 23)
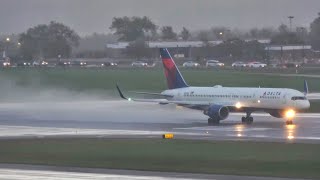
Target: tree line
point(58, 40)
point(138, 31)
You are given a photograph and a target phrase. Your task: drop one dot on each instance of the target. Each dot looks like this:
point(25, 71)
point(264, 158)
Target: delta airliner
point(217, 102)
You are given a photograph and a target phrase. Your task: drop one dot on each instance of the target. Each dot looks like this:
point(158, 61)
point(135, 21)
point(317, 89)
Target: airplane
point(218, 102)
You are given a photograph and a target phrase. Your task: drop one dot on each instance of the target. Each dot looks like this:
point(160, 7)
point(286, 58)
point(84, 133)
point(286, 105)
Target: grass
point(238, 158)
point(148, 79)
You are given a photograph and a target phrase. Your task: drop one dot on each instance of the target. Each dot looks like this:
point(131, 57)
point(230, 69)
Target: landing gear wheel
point(289, 122)
point(247, 120)
point(213, 121)
point(250, 120)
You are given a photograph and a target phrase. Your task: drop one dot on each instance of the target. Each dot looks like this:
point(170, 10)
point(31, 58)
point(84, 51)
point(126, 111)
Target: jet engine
point(277, 114)
point(289, 113)
point(217, 111)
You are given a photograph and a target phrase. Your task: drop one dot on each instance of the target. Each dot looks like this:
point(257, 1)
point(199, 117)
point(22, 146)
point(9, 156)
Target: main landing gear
point(248, 119)
point(213, 121)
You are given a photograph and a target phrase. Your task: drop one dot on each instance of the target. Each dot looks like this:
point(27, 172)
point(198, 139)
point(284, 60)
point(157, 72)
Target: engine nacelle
point(217, 111)
point(277, 114)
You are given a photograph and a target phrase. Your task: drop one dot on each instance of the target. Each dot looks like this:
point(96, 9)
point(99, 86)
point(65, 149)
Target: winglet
point(306, 88)
point(120, 93)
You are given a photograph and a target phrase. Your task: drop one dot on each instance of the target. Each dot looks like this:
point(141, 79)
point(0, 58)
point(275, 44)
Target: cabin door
point(284, 98)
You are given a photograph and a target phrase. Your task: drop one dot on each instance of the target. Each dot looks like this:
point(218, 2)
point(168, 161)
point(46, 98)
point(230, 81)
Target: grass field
point(147, 79)
point(239, 158)
point(104, 80)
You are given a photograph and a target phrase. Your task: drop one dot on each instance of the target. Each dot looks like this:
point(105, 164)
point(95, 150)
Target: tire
point(243, 119)
point(251, 119)
point(289, 122)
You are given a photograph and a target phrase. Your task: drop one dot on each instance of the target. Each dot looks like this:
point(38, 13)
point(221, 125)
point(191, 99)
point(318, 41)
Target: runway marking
point(15, 174)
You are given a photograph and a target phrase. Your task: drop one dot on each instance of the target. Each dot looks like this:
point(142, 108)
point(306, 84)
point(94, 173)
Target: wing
point(161, 101)
point(200, 105)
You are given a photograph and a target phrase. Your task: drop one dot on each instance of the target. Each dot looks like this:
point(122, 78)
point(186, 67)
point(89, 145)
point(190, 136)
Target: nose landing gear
point(289, 115)
point(289, 122)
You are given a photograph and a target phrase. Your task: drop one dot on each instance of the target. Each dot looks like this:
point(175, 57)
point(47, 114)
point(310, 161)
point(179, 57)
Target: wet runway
point(141, 120)
point(17, 174)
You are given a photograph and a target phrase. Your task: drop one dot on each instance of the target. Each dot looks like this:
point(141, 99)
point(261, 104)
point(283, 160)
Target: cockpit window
point(298, 98)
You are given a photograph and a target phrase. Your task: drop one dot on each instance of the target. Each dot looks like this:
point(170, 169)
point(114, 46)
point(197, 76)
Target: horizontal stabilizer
point(139, 100)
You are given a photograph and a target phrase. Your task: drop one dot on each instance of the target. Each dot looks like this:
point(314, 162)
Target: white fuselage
point(257, 98)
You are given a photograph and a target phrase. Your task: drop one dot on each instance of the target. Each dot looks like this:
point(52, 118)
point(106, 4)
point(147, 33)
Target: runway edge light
point(168, 136)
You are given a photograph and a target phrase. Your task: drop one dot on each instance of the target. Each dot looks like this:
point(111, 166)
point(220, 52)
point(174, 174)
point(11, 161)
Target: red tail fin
point(172, 73)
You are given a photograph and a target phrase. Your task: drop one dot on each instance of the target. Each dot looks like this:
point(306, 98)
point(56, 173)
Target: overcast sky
point(88, 16)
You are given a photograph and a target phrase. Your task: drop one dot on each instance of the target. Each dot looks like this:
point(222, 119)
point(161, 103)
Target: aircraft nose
point(307, 104)
point(304, 104)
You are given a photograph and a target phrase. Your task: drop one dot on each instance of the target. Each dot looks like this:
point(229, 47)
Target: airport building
point(290, 53)
point(186, 50)
point(182, 49)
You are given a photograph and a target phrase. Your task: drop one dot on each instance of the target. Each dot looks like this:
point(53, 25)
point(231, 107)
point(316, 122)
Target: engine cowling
point(217, 111)
point(277, 114)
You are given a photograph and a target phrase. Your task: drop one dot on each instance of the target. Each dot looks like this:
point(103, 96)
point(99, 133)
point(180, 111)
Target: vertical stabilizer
point(172, 73)
point(305, 87)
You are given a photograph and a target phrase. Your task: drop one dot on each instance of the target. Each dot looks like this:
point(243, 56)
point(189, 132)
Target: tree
point(138, 49)
point(285, 37)
point(96, 42)
point(236, 49)
point(206, 49)
point(167, 33)
point(315, 33)
point(204, 37)
point(283, 29)
point(48, 41)
point(266, 33)
point(11, 48)
point(185, 34)
point(302, 33)
point(133, 28)
point(254, 33)
point(3, 47)
point(231, 47)
point(221, 33)
point(253, 50)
